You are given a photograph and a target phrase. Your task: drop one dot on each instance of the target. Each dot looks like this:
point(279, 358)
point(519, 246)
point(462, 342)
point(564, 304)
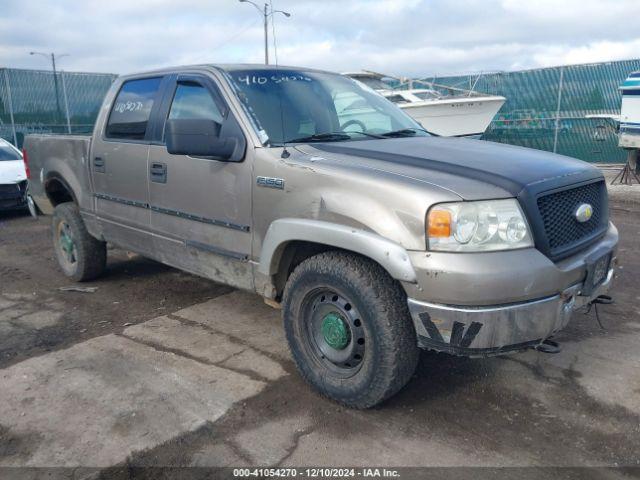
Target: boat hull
point(629, 136)
point(460, 117)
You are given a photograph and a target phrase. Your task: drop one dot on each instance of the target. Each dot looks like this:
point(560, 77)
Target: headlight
point(478, 226)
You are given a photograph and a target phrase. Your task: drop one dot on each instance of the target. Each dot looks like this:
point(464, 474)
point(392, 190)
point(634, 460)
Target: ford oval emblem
point(584, 212)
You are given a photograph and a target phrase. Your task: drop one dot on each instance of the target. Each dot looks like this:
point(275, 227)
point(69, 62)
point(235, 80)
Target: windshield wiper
point(321, 137)
point(372, 135)
point(406, 132)
point(331, 137)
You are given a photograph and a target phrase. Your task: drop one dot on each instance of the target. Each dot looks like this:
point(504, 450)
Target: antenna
point(285, 152)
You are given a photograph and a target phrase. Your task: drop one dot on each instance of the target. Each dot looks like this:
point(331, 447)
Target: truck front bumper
point(481, 304)
point(484, 331)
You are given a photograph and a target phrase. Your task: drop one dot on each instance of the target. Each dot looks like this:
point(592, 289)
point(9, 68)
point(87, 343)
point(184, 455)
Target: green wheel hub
point(335, 331)
point(66, 243)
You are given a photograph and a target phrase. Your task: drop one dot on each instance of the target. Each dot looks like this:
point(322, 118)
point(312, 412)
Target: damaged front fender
point(391, 256)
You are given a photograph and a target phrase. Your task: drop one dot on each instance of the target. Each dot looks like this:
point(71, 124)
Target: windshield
point(427, 95)
point(8, 153)
point(300, 106)
point(372, 82)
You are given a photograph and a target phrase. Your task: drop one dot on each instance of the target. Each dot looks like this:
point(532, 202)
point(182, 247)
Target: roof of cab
point(229, 67)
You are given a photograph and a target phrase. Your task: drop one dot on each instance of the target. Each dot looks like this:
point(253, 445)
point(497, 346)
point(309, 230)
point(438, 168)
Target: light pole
point(55, 75)
point(266, 14)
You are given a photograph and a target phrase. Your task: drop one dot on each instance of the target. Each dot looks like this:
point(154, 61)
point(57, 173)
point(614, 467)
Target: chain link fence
point(546, 108)
point(553, 108)
point(37, 101)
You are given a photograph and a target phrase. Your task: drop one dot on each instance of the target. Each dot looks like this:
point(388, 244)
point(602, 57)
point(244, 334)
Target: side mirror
point(198, 137)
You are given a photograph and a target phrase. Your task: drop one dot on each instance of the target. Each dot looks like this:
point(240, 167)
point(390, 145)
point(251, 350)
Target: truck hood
point(12, 171)
point(473, 169)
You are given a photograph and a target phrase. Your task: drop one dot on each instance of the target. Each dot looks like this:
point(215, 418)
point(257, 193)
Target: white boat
point(443, 110)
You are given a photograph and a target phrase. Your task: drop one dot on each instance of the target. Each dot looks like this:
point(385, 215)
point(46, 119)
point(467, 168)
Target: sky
point(417, 38)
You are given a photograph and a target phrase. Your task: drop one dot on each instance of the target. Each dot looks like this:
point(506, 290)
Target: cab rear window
point(131, 110)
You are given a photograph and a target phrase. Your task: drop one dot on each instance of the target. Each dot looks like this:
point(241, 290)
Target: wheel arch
point(58, 190)
point(291, 240)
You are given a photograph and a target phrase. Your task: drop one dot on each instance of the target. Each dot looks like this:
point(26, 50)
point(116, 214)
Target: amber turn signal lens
point(439, 224)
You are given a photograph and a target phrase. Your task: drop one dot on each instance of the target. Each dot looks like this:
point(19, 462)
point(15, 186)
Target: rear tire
point(80, 256)
point(349, 329)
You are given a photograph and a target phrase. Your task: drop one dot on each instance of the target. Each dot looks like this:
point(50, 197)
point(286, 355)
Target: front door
point(201, 207)
point(119, 164)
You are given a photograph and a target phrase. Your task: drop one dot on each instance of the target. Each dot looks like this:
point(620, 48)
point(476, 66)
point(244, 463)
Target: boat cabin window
point(397, 99)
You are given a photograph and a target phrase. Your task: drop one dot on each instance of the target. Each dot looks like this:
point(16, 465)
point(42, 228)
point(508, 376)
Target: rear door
point(119, 163)
point(200, 207)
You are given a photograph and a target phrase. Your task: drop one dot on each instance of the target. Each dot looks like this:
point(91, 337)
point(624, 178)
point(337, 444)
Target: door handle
point(158, 172)
point(98, 165)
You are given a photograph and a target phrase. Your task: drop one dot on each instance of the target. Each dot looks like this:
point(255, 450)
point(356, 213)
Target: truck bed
point(59, 158)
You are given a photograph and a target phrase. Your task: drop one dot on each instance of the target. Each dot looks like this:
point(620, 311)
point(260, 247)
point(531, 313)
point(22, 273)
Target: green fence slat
point(528, 116)
point(39, 106)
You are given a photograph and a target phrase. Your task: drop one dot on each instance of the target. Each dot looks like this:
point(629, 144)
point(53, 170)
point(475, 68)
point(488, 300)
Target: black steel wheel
point(349, 328)
point(335, 336)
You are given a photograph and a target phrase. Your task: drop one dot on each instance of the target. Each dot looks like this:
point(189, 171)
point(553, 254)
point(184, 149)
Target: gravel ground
point(628, 194)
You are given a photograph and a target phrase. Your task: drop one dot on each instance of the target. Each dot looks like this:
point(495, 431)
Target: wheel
point(349, 329)
point(32, 207)
point(80, 256)
point(31, 204)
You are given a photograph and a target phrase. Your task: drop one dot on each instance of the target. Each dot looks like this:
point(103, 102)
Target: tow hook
point(548, 346)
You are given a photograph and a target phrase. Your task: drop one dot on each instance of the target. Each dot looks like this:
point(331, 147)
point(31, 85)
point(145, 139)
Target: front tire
point(80, 256)
point(349, 329)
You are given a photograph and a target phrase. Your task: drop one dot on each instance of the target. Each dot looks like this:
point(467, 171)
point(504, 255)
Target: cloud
point(402, 37)
point(593, 52)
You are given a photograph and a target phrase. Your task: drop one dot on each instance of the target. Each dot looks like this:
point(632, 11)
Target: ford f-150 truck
point(313, 191)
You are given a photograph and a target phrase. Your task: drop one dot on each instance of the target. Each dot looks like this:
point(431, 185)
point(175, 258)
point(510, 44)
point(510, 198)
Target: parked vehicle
point(13, 178)
point(376, 241)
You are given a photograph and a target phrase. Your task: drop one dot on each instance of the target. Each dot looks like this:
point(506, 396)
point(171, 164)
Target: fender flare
point(391, 256)
point(54, 175)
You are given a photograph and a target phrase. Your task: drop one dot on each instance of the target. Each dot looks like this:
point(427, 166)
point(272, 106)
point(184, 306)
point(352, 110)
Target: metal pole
point(13, 123)
point(266, 36)
point(55, 85)
point(473, 87)
point(66, 102)
point(632, 158)
point(555, 135)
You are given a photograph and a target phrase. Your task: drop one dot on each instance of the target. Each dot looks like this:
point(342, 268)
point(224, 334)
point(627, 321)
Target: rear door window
point(129, 117)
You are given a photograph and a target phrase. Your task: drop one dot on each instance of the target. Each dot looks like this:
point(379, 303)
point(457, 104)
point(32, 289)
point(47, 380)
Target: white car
point(13, 178)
